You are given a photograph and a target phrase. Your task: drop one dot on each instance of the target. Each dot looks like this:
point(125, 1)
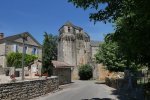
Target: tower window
point(68, 29)
point(84, 51)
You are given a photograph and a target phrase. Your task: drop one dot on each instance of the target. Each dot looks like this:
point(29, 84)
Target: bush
point(85, 72)
point(15, 59)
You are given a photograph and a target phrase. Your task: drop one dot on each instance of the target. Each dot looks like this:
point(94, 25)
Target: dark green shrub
point(85, 72)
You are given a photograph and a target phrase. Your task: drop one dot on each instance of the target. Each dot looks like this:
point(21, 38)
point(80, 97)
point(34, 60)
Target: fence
point(143, 82)
point(143, 77)
point(134, 85)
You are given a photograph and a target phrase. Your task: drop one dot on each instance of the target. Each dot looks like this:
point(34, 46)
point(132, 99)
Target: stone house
point(14, 43)
point(75, 47)
point(63, 71)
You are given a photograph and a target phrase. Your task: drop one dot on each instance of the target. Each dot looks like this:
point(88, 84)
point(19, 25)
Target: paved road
point(82, 90)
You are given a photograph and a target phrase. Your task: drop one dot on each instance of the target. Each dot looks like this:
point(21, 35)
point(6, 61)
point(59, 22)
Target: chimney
point(1, 35)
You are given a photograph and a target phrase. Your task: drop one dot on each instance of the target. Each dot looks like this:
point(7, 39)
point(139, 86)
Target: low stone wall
point(26, 90)
point(116, 80)
point(115, 83)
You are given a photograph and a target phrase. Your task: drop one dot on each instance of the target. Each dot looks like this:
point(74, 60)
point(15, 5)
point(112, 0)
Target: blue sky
point(39, 16)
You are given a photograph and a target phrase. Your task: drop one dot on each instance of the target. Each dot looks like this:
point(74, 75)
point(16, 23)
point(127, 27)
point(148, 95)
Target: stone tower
point(74, 46)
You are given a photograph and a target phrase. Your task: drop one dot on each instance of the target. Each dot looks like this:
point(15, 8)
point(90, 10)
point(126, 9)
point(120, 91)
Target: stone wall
point(102, 72)
point(28, 89)
point(64, 75)
point(94, 50)
point(2, 50)
point(1, 71)
point(2, 55)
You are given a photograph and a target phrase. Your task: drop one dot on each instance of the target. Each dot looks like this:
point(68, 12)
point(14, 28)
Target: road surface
point(82, 90)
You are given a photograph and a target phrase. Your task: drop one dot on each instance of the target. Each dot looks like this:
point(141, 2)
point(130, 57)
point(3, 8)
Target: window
point(26, 49)
point(84, 51)
point(37, 51)
point(15, 48)
point(68, 29)
point(34, 51)
point(79, 31)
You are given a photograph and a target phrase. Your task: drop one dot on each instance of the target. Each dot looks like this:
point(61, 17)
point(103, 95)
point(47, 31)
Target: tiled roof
point(13, 37)
point(95, 43)
point(60, 64)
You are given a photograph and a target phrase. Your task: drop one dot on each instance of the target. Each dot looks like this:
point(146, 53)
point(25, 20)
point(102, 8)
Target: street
point(82, 90)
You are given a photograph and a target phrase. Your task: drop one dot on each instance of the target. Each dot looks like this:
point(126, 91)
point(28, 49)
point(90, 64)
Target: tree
point(49, 52)
point(110, 55)
point(105, 10)
point(132, 19)
point(14, 59)
point(132, 35)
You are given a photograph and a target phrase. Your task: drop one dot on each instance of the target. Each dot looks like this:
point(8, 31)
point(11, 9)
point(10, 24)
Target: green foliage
point(110, 55)
point(49, 52)
point(85, 72)
point(105, 10)
point(15, 59)
point(132, 35)
point(132, 18)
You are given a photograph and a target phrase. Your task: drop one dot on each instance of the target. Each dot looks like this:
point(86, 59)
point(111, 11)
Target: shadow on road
point(121, 94)
point(99, 99)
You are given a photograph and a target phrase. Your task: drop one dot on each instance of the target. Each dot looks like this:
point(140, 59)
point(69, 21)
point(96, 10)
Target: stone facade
point(64, 75)
point(28, 89)
point(75, 47)
point(2, 54)
point(95, 45)
point(63, 71)
point(15, 44)
point(1, 71)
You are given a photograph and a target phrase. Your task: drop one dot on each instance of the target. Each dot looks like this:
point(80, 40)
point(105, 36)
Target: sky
point(39, 16)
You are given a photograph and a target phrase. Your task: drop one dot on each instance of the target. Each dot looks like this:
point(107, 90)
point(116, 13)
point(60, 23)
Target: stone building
point(75, 47)
point(63, 71)
point(15, 44)
point(94, 48)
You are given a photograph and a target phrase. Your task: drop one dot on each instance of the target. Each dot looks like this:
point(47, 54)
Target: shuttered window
point(15, 48)
point(34, 51)
point(26, 49)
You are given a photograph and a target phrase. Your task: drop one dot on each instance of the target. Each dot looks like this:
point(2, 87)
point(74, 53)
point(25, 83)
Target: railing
point(136, 85)
point(143, 77)
point(143, 82)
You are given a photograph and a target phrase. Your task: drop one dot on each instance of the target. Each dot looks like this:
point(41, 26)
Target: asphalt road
point(82, 90)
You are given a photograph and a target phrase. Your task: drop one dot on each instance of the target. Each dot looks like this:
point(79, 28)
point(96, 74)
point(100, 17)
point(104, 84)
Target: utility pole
point(24, 38)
